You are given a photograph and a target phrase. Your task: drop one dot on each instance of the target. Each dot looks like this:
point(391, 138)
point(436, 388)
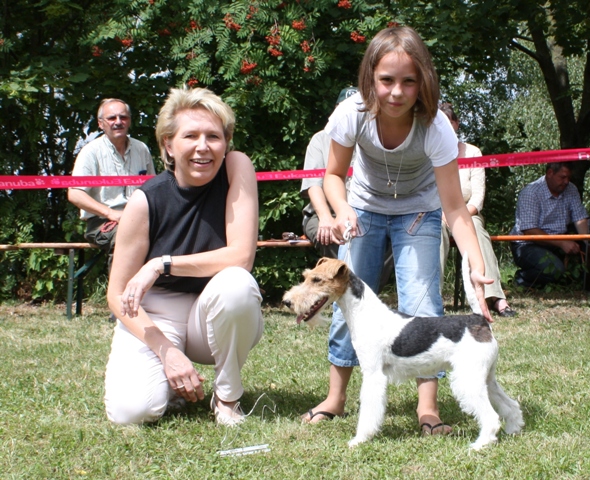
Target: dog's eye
point(316, 280)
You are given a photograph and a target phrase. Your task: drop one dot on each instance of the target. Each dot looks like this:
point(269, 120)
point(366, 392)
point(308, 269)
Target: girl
point(405, 169)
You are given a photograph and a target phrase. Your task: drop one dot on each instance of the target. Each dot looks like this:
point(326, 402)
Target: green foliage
point(280, 65)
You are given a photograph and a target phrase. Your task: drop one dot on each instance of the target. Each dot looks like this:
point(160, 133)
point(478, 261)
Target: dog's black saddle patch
point(421, 333)
point(357, 286)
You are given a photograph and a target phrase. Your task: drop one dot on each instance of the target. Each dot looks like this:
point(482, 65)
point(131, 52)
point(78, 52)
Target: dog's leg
point(508, 408)
point(373, 401)
point(471, 391)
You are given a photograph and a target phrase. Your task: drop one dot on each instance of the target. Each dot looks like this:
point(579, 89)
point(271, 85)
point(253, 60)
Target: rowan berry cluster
point(298, 24)
point(254, 80)
point(247, 67)
point(252, 11)
point(229, 23)
point(192, 82)
point(275, 52)
point(344, 4)
point(356, 37)
point(305, 46)
point(273, 40)
point(96, 50)
point(126, 42)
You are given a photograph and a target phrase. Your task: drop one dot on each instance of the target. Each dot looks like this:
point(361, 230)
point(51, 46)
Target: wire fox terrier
point(393, 347)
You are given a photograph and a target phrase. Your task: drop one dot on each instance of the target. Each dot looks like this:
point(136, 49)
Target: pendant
point(389, 184)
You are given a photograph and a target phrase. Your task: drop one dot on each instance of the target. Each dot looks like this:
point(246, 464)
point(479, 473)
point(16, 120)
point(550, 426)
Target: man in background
point(112, 154)
point(550, 205)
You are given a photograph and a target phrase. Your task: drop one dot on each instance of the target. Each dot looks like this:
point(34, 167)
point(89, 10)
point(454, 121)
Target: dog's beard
point(318, 320)
point(312, 315)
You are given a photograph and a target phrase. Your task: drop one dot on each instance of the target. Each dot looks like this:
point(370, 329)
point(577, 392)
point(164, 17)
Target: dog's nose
point(287, 303)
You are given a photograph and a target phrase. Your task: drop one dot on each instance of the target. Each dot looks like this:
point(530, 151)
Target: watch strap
point(167, 262)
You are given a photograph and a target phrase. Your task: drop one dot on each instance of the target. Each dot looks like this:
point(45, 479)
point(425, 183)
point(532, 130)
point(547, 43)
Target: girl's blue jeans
point(415, 241)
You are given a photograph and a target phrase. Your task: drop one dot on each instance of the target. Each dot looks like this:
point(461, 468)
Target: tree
point(478, 37)
point(279, 64)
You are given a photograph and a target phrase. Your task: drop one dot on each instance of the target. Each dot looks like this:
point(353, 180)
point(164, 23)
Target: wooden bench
point(77, 275)
point(459, 292)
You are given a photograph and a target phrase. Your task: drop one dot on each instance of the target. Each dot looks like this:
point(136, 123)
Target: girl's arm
point(335, 188)
point(461, 225)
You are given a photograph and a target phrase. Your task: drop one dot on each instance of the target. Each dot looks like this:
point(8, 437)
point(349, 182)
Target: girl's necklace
point(389, 182)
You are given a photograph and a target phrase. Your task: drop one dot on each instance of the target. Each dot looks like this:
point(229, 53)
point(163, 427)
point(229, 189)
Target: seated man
point(111, 154)
point(318, 217)
point(547, 206)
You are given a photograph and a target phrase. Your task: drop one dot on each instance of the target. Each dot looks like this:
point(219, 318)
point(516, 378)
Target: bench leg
point(80, 284)
point(587, 269)
point(71, 259)
point(459, 293)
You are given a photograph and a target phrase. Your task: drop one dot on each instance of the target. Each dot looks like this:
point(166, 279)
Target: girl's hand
point(343, 222)
point(141, 282)
point(181, 375)
point(478, 281)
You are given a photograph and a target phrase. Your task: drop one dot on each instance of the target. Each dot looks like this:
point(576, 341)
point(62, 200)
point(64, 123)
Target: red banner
point(23, 182)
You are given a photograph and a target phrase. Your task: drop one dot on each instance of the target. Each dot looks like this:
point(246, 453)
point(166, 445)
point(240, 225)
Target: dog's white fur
point(374, 328)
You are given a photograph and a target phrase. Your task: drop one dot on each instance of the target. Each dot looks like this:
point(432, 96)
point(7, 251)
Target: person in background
point(180, 285)
point(318, 216)
point(550, 205)
point(113, 154)
point(405, 168)
point(473, 188)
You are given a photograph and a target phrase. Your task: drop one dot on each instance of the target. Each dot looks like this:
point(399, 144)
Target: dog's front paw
point(481, 443)
point(356, 441)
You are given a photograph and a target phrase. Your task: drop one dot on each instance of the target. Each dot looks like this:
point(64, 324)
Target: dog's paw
point(355, 441)
point(479, 444)
point(513, 428)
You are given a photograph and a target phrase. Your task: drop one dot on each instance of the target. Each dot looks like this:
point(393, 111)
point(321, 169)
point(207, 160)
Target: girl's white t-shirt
point(410, 165)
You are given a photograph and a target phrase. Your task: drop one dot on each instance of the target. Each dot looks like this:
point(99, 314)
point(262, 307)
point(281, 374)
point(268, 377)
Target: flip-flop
point(328, 415)
point(430, 429)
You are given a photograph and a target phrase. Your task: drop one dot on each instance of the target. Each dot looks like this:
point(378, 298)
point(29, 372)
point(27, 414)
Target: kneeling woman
point(180, 284)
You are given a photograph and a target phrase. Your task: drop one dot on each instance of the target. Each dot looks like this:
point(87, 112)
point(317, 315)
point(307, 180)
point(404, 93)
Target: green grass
point(52, 421)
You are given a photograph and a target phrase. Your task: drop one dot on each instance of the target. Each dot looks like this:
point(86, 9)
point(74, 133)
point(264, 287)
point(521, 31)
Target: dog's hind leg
point(508, 408)
point(470, 390)
point(373, 401)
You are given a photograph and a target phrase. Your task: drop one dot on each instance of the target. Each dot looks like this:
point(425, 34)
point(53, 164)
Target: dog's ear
point(336, 269)
point(342, 271)
point(322, 260)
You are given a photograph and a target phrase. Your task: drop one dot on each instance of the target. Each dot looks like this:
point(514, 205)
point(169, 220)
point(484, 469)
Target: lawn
point(52, 421)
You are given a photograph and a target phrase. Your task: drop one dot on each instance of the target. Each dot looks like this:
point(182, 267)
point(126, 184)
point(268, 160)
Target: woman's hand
point(135, 289)
point(181, 374)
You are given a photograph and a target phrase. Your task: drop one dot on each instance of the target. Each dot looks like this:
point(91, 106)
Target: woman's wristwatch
point(167, 262)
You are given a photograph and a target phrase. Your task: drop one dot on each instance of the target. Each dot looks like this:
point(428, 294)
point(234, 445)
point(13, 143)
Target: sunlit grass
point(52, 421)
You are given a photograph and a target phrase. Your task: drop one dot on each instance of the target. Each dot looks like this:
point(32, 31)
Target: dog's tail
point(468, 286)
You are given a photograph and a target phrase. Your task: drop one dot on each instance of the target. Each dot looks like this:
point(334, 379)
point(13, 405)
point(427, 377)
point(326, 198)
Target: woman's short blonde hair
point(402, 40)
point(180, 99)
